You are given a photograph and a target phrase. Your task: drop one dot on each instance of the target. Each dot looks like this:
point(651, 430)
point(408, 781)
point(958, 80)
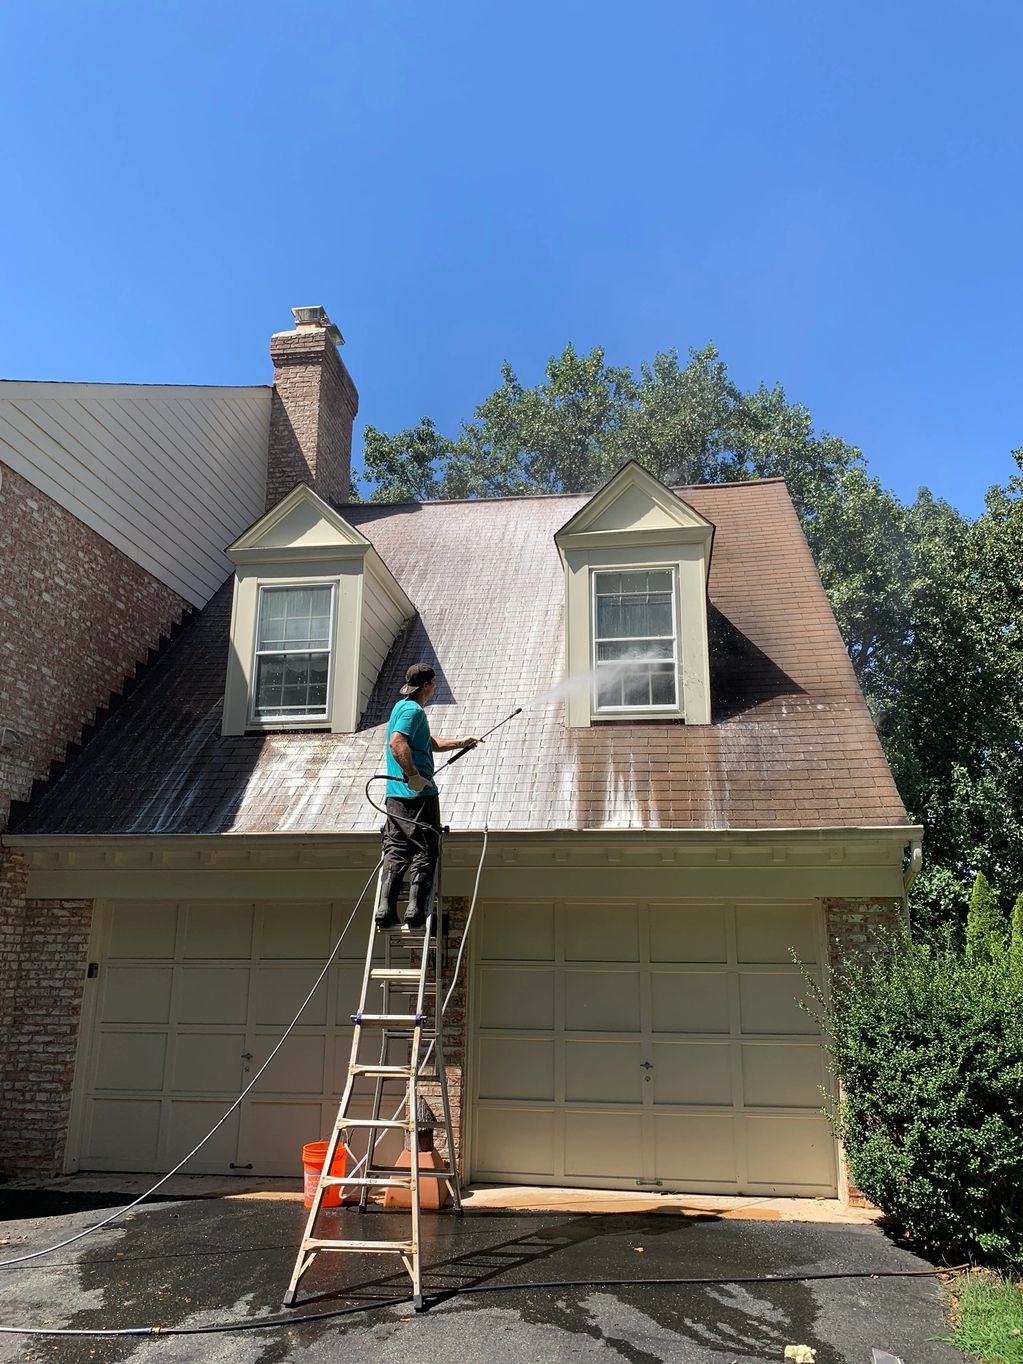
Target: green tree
point(985, 922)
point(1016, 939)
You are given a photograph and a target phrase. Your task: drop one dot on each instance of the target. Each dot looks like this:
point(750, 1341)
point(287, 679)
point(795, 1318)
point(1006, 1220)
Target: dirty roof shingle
point(792, 744)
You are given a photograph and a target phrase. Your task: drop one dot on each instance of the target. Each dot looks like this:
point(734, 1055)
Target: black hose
point(267, 1323)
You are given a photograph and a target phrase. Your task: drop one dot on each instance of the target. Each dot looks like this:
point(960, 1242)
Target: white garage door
point(191, 998)
point(653, 1045)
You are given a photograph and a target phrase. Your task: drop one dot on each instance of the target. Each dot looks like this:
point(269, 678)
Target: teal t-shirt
point(409, 718)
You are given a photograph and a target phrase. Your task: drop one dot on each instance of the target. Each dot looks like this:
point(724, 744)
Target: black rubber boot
point(418, 902)
point(386, 915)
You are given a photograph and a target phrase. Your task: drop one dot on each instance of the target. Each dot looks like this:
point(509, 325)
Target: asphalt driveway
point(195, 1263)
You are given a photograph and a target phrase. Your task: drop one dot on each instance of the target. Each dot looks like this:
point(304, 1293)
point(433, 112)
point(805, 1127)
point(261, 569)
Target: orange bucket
point(314, 1153)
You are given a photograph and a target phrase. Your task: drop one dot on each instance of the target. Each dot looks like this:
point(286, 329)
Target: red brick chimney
point(312, 410)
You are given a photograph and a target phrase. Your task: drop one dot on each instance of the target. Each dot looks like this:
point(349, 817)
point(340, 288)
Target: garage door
point(190, 999)
point(649, 1045)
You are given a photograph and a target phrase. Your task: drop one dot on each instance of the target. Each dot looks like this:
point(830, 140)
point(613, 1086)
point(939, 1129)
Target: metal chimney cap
point(308, 318)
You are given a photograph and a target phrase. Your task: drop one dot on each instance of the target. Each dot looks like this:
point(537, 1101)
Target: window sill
point(283, 726)
point(637, 717)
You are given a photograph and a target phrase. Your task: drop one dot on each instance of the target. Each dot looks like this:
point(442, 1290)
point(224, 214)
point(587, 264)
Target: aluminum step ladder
point(411, 977)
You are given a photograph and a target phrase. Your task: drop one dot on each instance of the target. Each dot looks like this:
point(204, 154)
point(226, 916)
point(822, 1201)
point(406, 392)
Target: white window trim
point(673, 708)
point(317, 721)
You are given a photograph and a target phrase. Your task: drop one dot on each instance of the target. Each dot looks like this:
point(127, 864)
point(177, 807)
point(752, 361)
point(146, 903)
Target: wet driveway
point(503, 1287)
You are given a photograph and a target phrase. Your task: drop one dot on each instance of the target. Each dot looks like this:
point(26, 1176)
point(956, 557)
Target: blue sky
point(832, 193)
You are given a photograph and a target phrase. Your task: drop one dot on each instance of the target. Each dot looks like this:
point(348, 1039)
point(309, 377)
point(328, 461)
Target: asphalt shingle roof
point(792, 743)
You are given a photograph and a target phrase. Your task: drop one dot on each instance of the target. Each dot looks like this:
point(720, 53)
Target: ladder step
point(394, 973)
point(401, 1020)
point(424, 1172)
point(398, 1124)
point(395, 1072)
point(405, 1183)
point(371, 1247)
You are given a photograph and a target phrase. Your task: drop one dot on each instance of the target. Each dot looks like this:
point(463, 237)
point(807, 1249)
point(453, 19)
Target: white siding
point(381, 621)
point(168, 475)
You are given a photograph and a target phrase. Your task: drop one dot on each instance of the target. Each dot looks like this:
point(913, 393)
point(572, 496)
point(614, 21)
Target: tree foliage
point(928, 602)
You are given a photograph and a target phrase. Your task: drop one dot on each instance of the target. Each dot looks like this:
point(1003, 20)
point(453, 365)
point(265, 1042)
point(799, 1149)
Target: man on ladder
point(412, 832)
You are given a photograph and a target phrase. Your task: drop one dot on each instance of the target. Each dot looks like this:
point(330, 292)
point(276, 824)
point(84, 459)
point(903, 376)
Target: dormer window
point(637, 558)
point(315, 612)
point(635, 659)
point(293, 647)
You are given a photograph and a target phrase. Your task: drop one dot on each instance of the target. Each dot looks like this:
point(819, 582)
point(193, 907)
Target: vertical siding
point(381, 622)
point(168, 475)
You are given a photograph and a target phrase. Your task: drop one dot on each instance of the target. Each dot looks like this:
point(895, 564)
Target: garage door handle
point(233, 1166)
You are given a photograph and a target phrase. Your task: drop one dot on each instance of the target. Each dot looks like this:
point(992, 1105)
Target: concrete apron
point(483, 1198)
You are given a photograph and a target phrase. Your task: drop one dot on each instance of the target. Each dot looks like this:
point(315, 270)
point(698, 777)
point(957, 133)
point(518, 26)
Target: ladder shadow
point(473, 1268)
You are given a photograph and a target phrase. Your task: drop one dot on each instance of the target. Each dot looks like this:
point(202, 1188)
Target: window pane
point(609, 687)
point(636, 689)
point(662, 686)
point(609, 582)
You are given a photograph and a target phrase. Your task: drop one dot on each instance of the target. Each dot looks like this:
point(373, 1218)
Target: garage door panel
point(517, 1068)
point(137, 994)
point(213, 994)
point(509, 1139)
point(517, 998)
point(295, 931)
point(602, 1001)
point(770, 1003)
point(692, 1073)
point(695, 1149)
point(349, 987)
point(279, 990)
point(148, 931)
point(131, 1061)
point(273, 1134)
point(298, 1068)
point(215, 930)
point(603, 1145)
point(209, 1063)
point(603, 1072)
point(688, 933)
point(786, 1151)
point(769, 933)
point(122, 1134)
point(782, 1076)
point(601, 932)
point(523, 932)
point(188, 1122)
point(689, 1001)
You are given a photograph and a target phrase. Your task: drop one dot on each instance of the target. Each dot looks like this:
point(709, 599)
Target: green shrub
point(928, 1044)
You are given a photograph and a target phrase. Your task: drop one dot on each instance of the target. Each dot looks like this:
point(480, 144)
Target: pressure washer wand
point(468, 749)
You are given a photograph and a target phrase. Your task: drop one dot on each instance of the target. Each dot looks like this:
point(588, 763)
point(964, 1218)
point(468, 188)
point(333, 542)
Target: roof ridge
point(549, 497)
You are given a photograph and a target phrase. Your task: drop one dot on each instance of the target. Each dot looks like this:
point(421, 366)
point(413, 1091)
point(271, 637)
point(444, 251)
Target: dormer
point(315, 612)
point(637, 559)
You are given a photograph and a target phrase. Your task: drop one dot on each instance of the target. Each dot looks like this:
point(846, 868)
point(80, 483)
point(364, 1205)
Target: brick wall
point(312, 411)
point(76, 616)
point(42, 970)
point(854, 927)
